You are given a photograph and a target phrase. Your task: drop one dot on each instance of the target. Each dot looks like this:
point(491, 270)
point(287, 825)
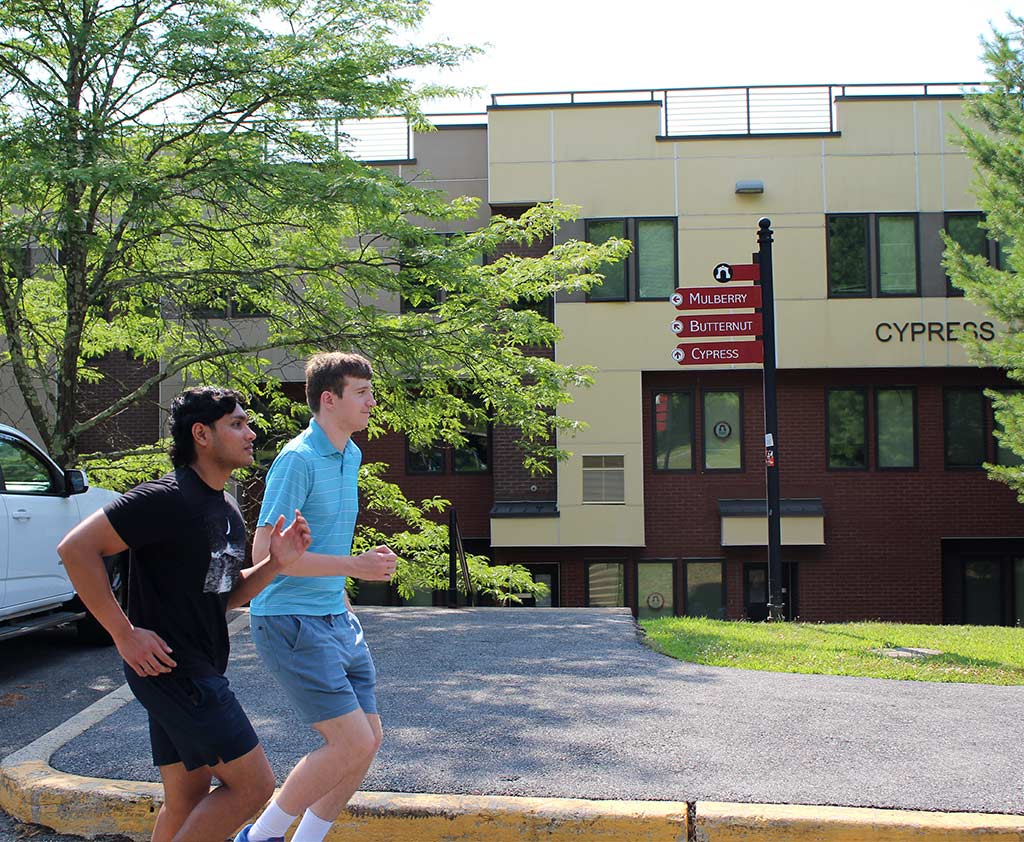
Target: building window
point(651, 271)
point(606, 584)
point(847, 248)
point(424, 298)
point(474, 457)
point(424, 460)
point(723, 430)
point(604, 479)
point(673, 431)
point(656, 256)
point(895, 428)
point(897, 255)
point(655, 589)
point(847, 429)
point(613, 288)
point(705, 589)
point(964, 427)
point(966, 231)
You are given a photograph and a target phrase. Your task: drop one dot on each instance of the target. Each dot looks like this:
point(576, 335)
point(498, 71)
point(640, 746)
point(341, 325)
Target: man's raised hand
point(288, 545)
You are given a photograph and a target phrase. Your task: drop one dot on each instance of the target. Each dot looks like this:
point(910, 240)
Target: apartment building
point(883, 422)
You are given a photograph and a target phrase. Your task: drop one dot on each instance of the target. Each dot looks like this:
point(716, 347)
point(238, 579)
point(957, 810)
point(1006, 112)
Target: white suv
point(39, 504)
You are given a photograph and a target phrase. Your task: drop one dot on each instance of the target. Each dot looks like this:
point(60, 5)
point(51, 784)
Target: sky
point(577, 45)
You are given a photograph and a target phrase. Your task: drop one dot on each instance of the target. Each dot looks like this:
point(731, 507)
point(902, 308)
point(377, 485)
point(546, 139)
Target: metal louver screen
point(604, 479)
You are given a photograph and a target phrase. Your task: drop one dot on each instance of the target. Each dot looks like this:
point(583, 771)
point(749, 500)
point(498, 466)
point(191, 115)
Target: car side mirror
point(75, 482)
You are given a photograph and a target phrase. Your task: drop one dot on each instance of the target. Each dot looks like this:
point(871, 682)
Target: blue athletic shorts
point(323, 663)
point(193, 719)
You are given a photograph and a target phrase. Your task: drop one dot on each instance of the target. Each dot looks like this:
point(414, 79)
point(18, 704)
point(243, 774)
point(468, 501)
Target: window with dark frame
point(963, 427)
point(606, 584)
point(673, 431)
point(723, 429)
point(897, 255)
point(474, 457)
point(896, 427)
point(655, 588)
point(705, 589)
point(430, 297)
point(848, 256)
point(964, 227)
point(651, 271)
point(846, 429)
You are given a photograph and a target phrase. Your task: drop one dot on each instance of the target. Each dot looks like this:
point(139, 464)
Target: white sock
point(312, 828)
point(273, 822)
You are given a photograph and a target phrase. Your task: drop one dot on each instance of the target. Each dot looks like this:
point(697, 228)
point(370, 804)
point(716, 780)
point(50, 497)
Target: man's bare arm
point(82, 551)
point(377, 565)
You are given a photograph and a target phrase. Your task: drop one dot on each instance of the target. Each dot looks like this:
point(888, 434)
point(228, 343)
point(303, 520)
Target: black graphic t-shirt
point(188, 548)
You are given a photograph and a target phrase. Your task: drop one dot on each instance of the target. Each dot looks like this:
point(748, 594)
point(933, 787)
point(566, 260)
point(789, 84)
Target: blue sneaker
point(243, 835)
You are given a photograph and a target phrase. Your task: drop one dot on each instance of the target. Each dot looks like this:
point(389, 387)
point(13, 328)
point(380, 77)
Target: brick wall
point(138, 424)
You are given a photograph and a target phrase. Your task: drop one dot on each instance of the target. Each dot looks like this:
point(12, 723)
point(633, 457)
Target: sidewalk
point(559, 724)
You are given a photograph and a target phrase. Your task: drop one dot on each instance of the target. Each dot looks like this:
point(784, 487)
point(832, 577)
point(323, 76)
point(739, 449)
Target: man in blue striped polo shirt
point(301, 626)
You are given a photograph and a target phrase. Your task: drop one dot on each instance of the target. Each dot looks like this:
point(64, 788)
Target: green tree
point(168, 164)
point(993, 138)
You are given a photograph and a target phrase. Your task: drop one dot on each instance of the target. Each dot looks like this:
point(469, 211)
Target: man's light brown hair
point(327, 371)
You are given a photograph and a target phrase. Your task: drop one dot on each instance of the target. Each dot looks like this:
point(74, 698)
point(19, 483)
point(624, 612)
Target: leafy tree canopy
point(165, 161)
point(994, 141)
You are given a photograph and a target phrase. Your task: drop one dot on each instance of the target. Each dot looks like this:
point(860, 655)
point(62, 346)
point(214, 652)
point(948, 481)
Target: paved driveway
point(570, 703)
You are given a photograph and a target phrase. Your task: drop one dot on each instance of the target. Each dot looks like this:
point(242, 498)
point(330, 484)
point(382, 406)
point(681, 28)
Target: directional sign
point(718, 325)
point(725, 272)
point(716, 298)
point(718, 353)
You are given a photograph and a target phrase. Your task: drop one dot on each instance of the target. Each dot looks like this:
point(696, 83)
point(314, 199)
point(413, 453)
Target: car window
point(23, 471)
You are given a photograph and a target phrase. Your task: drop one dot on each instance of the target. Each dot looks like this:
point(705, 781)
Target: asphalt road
point(45, 679)
point(570, 703)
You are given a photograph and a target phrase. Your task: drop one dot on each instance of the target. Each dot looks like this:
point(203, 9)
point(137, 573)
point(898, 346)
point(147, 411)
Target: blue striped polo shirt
point(311, 475)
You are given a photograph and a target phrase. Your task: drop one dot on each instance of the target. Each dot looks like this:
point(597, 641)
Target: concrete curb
point(32, 791)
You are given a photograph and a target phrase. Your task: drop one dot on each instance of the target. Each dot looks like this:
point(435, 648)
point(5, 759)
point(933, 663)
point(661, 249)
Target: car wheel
point(89, 628)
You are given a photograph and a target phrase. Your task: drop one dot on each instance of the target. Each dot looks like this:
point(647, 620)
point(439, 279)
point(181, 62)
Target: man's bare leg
point(247, 783)
point(350, 743)
point(328, 806)
point(183, 790)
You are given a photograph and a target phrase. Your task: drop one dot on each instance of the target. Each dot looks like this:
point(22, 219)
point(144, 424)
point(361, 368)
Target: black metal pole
point(453, 584)
point(776, 606)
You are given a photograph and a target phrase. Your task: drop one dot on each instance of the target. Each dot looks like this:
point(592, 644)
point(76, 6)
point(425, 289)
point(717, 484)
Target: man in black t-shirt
point(187, 540)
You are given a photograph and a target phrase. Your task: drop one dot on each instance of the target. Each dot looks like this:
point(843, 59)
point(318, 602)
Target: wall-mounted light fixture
point(750, 185)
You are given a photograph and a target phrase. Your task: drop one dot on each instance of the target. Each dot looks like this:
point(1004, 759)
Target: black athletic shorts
point(194, 720)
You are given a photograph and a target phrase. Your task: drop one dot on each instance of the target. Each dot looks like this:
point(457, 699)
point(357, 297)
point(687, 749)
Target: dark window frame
point(635, 256)
point(986, 433)
point(991, 246)
point(879, 292)
point(490, 456)
point(626, 595)
point(868, 288)
point(693, 431)
point(675, 582)
point(914, 420)
point(684, 603)
point(703, 449)
point(828, 430)
point(625, 263)
point(409, 469)
point(631, 264)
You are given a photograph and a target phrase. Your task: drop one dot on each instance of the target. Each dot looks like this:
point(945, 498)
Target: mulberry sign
point(716, 298)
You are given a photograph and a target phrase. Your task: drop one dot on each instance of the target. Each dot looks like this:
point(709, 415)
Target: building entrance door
point(755, 590)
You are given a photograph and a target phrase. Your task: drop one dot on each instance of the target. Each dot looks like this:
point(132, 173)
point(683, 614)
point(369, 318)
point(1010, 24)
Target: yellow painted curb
point(34, 792)
point(722, 822)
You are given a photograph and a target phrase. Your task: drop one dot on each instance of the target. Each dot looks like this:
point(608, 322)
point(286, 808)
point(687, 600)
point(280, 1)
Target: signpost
point(760, 348)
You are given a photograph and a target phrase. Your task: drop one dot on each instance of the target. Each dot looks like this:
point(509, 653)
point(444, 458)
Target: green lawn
point(972, 654)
